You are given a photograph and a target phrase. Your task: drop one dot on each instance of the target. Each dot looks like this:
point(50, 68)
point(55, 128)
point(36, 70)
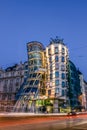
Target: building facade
point(34, 87)
point(83, 85)
point(49, 81)
point(46, 83)
point(11, 79)
point(74, 87)
point(85, 94)
point(57, 59)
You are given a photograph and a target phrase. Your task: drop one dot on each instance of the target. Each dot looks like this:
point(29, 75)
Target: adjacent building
point(11, 79)
point(85, 87)
point(74, 86)
point(83, 90)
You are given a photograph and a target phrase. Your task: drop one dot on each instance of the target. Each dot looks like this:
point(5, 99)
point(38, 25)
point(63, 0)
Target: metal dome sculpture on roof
point(57, 40)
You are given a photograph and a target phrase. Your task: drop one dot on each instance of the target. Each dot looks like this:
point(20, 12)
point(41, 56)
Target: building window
point(17, 89)
point(56, 74)
point(63, 50)
point(51, 76)
point(49, 51)
point(35, 68)
point(30, 69)
point(36, 82)
point(37, 62)
point(35, 55)
point(31, 82)
point(49, 92)
point(56, 82)
point(6, 82)
point(3, 96)
point(18, 80)
point(72, 81)
point(57, 90)
point(56, 66)
point(63, 93)
point(62, 67)
point(50, 59)
point(5, 88)
point(7, 74)
point(56, 58)
point(29, 48)
point(63, 59)
point(12, 73)
point(50, 67)
point(17, 84)
point(10, 89)
point(63, 84)
point(31, 62)
point(56, 50)
point(34, 75)
point(63, 75)
point(9, 97)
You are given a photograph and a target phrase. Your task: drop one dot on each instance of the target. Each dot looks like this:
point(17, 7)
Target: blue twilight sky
point(26, 20)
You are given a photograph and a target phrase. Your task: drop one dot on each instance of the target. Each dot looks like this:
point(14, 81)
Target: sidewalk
point(6, 114)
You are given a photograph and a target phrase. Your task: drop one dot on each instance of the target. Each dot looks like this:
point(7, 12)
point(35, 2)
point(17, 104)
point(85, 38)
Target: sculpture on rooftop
point(56, 40)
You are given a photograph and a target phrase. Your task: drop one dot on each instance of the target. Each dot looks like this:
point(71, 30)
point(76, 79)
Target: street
point(44, 123)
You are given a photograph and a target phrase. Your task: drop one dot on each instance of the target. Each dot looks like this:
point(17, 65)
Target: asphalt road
point(66, 123)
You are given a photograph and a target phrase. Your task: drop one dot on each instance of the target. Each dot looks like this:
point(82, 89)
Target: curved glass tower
point(33, 88)
point(36, 69)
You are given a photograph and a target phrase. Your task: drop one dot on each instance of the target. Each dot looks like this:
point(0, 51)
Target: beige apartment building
point(11, 79)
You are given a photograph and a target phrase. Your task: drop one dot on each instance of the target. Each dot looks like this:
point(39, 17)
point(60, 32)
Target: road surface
point(78, 122)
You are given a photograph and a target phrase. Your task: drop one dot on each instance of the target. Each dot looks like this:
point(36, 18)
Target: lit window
point(56, 82)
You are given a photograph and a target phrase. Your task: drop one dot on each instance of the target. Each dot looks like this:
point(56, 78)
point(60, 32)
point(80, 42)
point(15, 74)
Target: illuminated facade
point(48, 85)
point(34, 88)
point(36, 68)
point(57, 59)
